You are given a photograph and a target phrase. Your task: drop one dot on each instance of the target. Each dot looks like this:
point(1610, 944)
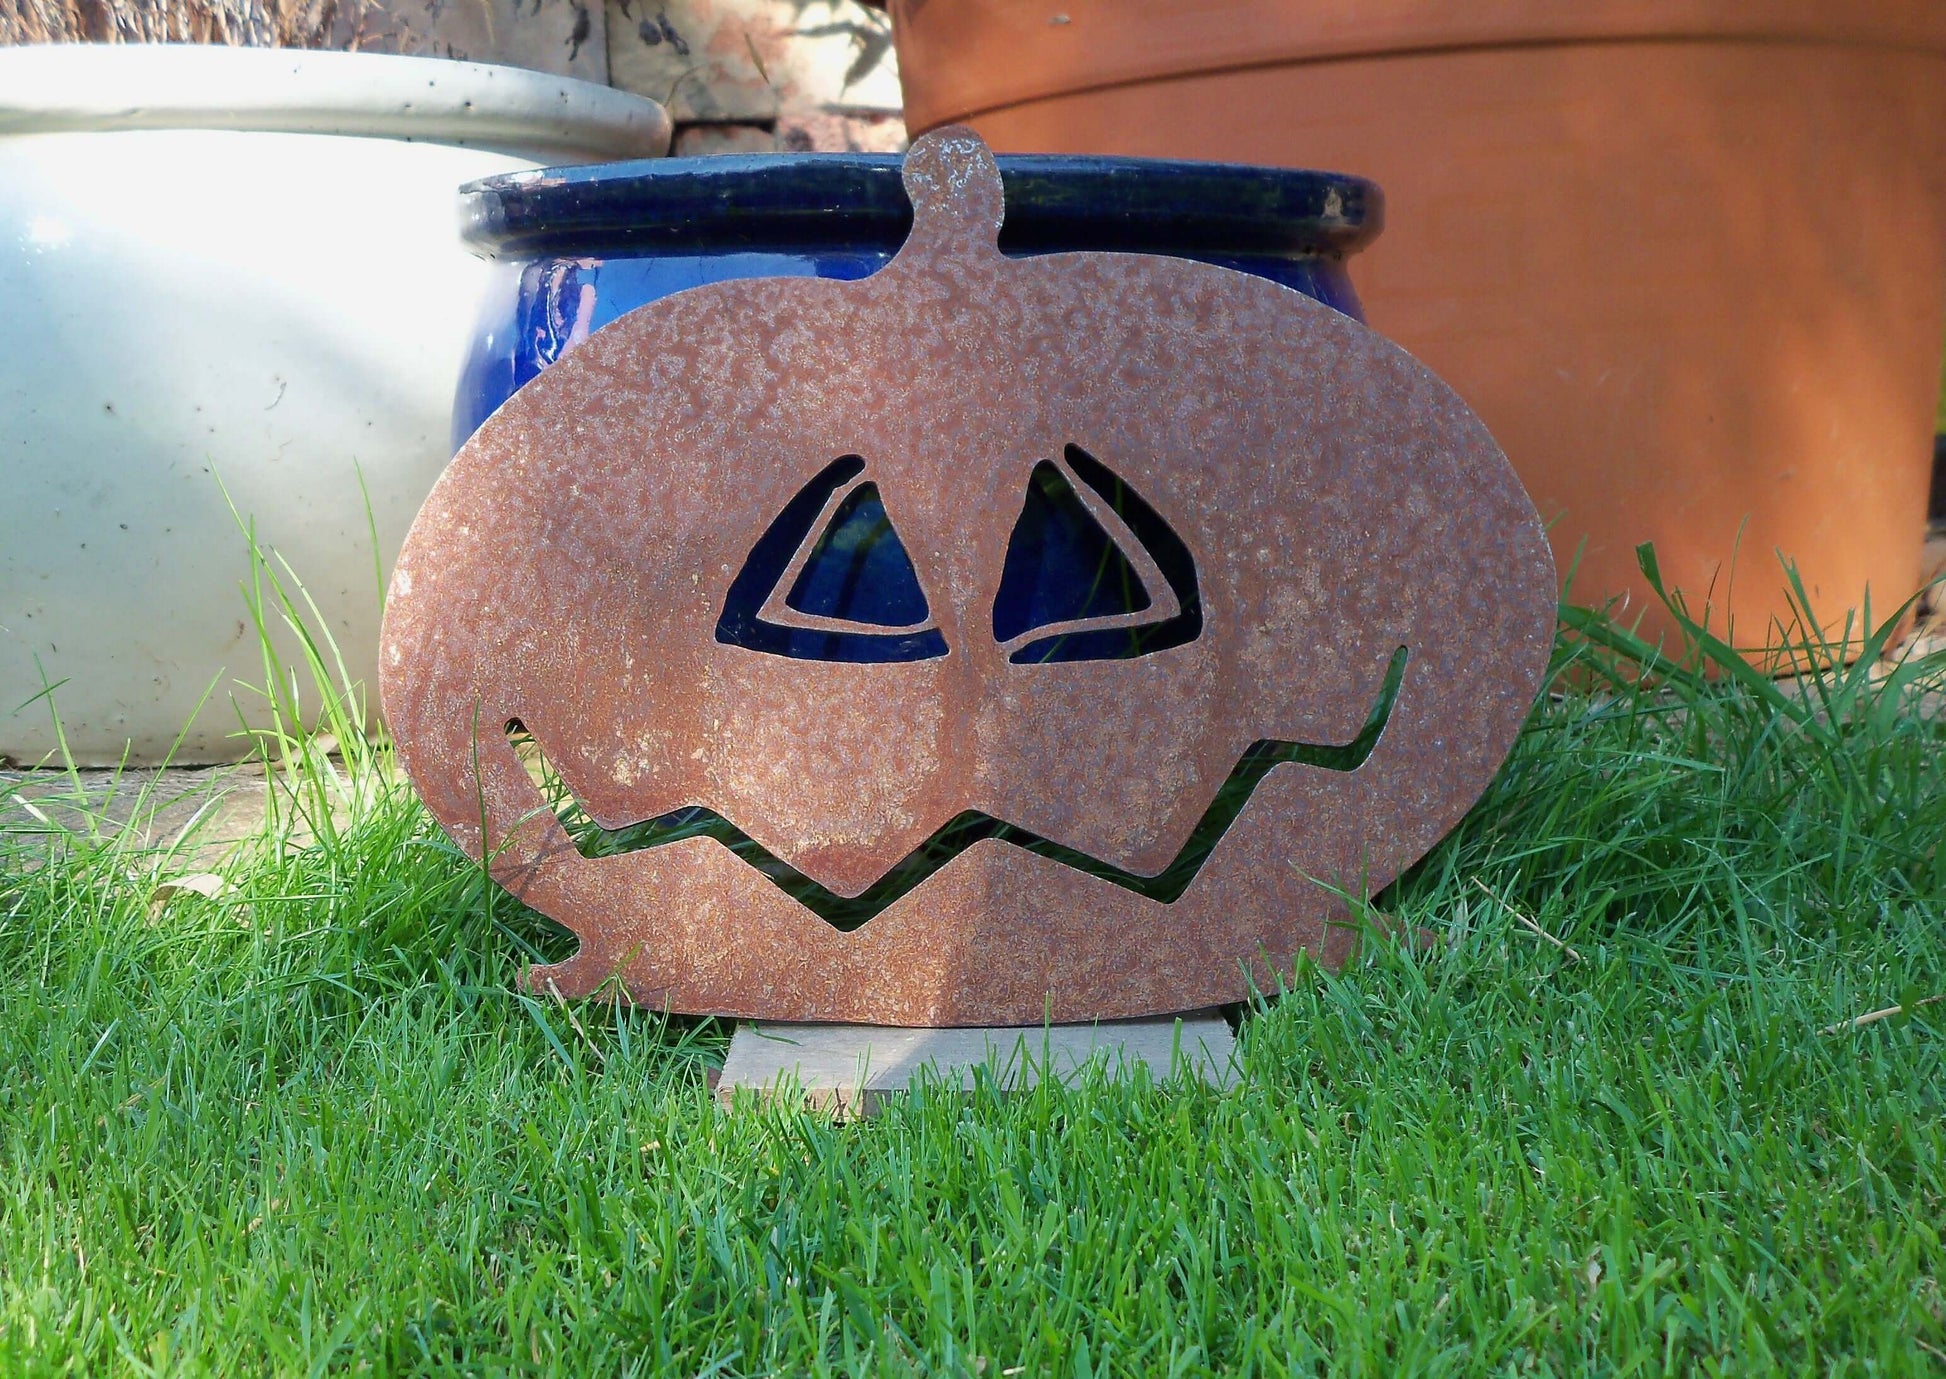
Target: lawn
point(1618, 1119)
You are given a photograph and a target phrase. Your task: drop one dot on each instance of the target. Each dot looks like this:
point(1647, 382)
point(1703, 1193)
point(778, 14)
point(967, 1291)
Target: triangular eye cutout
point(1061, 566)
point(859, 571)
point(1080, 567)
point(855, 577)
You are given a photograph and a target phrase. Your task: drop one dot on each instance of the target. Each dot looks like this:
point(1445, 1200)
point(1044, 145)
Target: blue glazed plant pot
point(578, 247)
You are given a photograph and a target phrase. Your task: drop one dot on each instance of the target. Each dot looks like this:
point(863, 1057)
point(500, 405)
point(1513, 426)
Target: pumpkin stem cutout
point(986, 640)
point(958, 201)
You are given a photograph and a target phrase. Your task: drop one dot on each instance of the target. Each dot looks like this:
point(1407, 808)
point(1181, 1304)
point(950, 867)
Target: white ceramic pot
point(237, 265)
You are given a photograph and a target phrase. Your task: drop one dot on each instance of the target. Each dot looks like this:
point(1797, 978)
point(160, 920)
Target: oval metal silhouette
point(983, 641)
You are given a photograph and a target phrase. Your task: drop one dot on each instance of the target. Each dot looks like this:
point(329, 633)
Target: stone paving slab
point(204, 813)
point(852, 1070)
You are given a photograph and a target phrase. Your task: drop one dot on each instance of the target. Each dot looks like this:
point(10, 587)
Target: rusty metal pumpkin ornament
point(983, 641)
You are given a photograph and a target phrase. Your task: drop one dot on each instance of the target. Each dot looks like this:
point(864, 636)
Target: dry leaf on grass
point(204, 883)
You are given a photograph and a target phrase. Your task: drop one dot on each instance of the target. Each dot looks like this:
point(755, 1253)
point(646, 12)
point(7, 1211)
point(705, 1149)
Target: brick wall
point(741, 76)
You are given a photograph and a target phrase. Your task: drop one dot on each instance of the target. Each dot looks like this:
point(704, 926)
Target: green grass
point(309, 1126)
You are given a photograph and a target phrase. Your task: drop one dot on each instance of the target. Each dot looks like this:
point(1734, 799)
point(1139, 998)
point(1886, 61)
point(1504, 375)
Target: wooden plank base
point(850, 1070)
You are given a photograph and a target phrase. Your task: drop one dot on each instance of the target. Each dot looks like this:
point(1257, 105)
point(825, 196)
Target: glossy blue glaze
point(578, 247)
point(543, 307)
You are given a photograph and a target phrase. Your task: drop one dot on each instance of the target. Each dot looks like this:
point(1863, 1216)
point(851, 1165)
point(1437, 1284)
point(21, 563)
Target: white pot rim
point(66, 87)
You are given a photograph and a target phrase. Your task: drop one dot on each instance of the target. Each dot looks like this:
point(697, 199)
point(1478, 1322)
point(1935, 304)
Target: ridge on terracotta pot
point(977, 55)
point(236, 276)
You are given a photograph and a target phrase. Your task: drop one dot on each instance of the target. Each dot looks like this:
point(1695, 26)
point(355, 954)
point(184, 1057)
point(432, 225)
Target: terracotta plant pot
point(1686, 257)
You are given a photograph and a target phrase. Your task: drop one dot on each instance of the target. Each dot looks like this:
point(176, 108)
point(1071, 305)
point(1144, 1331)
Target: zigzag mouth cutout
point(967, 828)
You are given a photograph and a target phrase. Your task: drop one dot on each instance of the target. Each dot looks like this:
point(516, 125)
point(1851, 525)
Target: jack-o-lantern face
point(984, 641)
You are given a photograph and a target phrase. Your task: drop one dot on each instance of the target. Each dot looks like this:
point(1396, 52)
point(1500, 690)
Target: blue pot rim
point(742, 202)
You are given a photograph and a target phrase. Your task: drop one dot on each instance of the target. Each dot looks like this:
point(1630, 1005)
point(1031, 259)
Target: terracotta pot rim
point(983, 55)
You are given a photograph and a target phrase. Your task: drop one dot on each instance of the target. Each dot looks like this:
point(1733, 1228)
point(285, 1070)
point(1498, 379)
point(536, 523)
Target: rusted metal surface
point(573, 568)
